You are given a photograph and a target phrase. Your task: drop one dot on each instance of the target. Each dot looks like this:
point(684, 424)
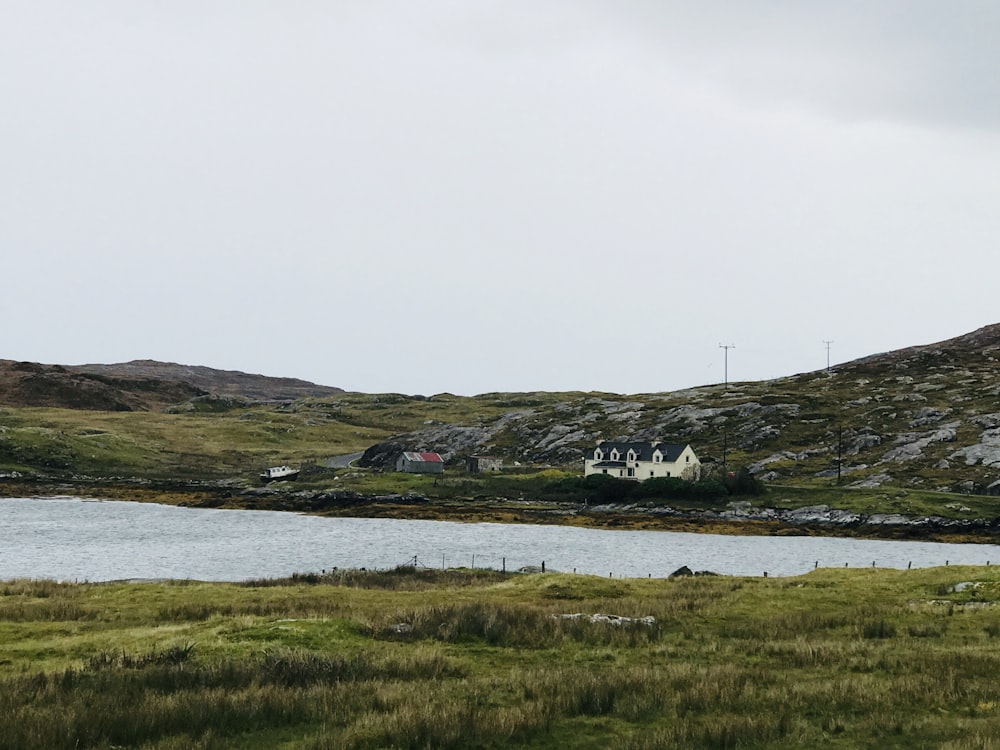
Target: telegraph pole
point(725, 434)
point(726, 348)
point(827, 354)
point(840, 450)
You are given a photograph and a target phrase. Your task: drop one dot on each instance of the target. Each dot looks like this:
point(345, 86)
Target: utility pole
point(827, 354)
point(840, 450)
point(725, 434)
point(726, 347)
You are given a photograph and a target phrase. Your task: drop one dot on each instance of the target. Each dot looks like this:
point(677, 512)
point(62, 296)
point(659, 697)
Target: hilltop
point(227, 383)
point(140, 385)
point(28, 384)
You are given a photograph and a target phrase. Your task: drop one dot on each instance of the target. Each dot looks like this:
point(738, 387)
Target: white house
point(639, 461)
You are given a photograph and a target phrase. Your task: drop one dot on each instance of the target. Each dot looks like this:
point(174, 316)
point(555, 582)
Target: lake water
point(67, 538)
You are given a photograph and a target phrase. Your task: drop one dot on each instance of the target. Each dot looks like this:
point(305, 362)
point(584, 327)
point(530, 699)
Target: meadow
point(414, 658)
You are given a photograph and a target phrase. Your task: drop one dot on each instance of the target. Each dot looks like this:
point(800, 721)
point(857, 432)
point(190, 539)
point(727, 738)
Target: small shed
point(420, 463)
point(480, 464)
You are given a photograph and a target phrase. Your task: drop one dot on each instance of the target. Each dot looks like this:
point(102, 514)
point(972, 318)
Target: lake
point(72, 539)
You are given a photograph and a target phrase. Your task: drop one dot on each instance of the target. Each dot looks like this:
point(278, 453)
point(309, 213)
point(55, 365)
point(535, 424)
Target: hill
point(228, 383)
point(27, 384)
point(925, 417)
point(141, 385)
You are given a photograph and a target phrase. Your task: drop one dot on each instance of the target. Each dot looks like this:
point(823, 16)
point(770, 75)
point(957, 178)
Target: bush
point(876, 629)
point(674, 488)
point(603, 489)
point(597, 488)
point(742, 482)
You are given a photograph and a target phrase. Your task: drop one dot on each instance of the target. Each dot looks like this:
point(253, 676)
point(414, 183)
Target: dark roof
point(670, 451)
point(609, 465)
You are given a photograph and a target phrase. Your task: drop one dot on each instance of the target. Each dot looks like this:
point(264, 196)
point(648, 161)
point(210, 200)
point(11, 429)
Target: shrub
point(742, 482)
point(604, 489)
point(877, 629)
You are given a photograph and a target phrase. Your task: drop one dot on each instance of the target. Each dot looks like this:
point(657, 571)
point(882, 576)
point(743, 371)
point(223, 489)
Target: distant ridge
point(140, 385)
point(982, 341)
point(232, 383)
point(27, 384)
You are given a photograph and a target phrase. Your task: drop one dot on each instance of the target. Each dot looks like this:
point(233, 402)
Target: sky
point(470, 196)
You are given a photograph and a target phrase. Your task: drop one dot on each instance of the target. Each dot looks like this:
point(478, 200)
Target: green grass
point(237, 443)
point(908, 501)
point(234, 442)
point(846, 658)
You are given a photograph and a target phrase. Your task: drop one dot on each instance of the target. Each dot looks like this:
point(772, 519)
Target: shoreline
point(750, 521)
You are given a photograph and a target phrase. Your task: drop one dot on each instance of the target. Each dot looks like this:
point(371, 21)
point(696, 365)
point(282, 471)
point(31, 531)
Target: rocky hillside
point(225, 383)
point(926, 416)
point(31, 384)
point(141, 385)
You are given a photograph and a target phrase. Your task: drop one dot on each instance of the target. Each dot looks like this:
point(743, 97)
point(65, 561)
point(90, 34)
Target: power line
point(827, 354)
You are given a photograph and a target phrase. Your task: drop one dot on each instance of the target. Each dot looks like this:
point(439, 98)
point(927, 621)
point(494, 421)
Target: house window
point(668, 473)
point(687, 459)
point(650, 473)
point(604, 471)
point(631, 472)
point(598, 455)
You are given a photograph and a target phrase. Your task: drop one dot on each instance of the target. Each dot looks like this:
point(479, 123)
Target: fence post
point(543, 566)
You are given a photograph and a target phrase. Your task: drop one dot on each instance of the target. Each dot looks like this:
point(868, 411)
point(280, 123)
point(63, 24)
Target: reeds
point(127, 699)
point(875, 661)
point(399, 578)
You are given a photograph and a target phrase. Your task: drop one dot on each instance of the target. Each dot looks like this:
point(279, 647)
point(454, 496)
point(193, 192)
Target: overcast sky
point(474, 195)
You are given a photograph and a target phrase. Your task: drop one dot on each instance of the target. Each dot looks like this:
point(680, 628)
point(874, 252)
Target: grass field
point(464, 659)
point(235, 444)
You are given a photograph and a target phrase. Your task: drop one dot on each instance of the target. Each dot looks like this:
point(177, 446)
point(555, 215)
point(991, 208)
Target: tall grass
point(845, 658)
point(132, 699)
point(28, 600)
point(399, 578)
